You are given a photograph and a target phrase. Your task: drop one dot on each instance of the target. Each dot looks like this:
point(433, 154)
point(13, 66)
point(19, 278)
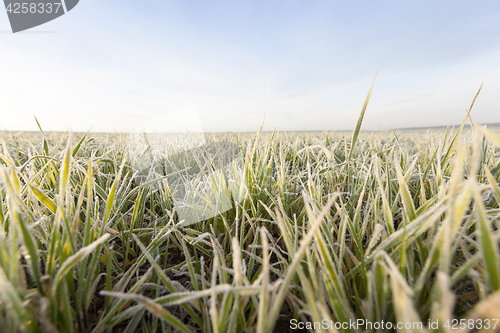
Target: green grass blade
point(43, 198)
point(76, 258)
point(360, 119)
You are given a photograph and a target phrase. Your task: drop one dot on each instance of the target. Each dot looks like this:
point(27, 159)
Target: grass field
point(393, 227)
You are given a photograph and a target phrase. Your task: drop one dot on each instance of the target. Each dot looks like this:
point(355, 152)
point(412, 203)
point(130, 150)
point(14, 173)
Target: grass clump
point(404, 228)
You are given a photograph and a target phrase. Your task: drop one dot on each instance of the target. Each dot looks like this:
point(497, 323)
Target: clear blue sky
point(301, 64)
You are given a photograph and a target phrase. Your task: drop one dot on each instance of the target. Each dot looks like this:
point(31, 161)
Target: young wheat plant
point(372, 227)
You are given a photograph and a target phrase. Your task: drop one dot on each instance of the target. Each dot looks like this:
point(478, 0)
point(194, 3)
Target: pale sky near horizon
point(113, 65)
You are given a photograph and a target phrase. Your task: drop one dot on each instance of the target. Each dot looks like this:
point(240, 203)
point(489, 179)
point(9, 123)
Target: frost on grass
point(246, 232)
